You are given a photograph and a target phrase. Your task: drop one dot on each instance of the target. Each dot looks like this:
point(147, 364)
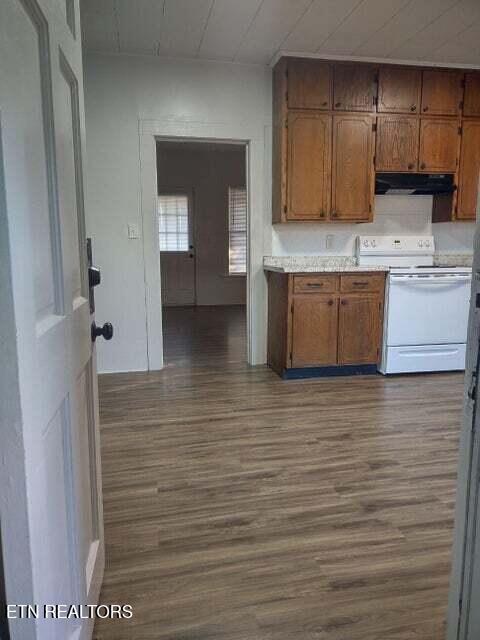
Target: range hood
point(414, 184)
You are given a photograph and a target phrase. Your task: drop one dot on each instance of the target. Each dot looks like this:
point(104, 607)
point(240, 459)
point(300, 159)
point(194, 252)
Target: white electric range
point(426, 307)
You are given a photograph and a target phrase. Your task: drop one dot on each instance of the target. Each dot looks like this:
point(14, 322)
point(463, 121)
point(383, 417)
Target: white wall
point(120, 90)
point(393, 215)
point(208, 171)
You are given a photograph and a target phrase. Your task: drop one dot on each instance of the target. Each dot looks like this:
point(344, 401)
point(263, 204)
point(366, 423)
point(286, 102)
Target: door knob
point(106, 331)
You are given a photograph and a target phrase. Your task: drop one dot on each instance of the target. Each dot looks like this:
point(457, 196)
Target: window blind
point(237, 207)
point(173, 222)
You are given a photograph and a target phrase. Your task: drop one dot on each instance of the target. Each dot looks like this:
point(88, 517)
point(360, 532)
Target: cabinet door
point(442, 92)
point(360, 326)
point(354, 87)
point(308, 165)
point(399, 90)
point(469, 171)
point(471, 100)
point(309, 84)
point(397, 143)
point(352, 168)
point(314, 331)
point(439, 142)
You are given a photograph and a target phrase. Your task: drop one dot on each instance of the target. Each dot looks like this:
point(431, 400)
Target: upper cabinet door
point(308, 165)
point(397, 143)
point(399, 90)
point(352, 168)
point(309, 84)
point(442, 92)
point(469, 171)
point(354, 87)
point(471, 101)
point(439, 141)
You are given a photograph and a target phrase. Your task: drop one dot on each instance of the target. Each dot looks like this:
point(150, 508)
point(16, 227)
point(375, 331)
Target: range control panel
point(393, 245)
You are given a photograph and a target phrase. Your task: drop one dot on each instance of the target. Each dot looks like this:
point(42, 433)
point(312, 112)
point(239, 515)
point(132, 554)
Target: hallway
point(242, 507)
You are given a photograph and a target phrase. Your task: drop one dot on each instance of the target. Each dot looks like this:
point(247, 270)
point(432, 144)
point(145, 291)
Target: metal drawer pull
point(314, 284)
point(360, 283)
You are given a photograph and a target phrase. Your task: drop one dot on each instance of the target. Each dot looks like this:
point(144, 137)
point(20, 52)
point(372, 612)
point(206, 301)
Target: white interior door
point(177, 250)
point(50, 503)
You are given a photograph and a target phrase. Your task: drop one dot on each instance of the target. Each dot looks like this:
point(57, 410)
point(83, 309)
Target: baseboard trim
point(324, 372)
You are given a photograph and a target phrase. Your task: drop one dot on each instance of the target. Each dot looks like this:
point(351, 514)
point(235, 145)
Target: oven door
point(427, 309)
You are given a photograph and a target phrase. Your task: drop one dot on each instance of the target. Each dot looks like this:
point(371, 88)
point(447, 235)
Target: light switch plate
point(133, 231)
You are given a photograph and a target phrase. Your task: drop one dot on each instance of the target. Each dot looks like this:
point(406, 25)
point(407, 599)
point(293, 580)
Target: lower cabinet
point(359, 331)
point(314, 330)
point(330, 320)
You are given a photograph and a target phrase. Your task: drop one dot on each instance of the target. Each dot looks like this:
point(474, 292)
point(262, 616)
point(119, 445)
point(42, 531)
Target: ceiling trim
point(412, 63)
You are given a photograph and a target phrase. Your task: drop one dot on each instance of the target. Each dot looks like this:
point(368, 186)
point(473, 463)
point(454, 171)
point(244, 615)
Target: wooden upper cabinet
point(397, 143)
point(314, 330)
point(442, 92)
point(471, 100)
point(354, 87)
point(399, 89)
point(308, 165)
point(439, 145)
point(360, 328)
point(352, 168)
point(309, 84)
point(469, 171)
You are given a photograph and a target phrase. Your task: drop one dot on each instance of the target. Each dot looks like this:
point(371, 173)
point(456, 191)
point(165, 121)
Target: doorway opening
point(202, 210)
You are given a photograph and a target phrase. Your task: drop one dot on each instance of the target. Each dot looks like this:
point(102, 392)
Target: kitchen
point(395, 151)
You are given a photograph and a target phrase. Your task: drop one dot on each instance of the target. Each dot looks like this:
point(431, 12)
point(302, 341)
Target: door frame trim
point(254, 140)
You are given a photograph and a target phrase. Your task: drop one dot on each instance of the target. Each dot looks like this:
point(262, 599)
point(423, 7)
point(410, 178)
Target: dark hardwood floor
point(242, 507)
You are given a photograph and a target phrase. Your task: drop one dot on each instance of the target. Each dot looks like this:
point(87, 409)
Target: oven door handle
point(429, 280)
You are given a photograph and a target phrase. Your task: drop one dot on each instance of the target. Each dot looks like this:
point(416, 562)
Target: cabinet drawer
point(315, 284)
point(362, 282)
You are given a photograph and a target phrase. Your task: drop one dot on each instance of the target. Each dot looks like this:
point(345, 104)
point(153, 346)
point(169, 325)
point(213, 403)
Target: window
point(237, 217)
point(173, 222)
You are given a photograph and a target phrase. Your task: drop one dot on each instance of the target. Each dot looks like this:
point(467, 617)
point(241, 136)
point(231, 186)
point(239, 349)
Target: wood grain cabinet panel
point(442, 91)
point(354, 87)
point(352, 168)
point(309, 84)
point(359, 333)
point(362, 282)
point(471, 100)
point(314, 331)
point(399, 89)
point(315, 284)
point(439, 145)
point(308, 165)
point(397, 143)
point(469, 171)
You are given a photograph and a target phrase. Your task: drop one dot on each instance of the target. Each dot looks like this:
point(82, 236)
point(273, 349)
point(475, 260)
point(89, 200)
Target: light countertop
point(335, 264)
point(315, 264)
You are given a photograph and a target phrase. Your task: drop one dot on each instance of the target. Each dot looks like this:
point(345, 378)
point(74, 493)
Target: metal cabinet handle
point(330, 303)
point(425, 108)
point(315, 284)
point(411, 165)
point(423, 165)
point(324, 104)
point(359, 283)
point(338, 104)
point(413, 108)
point(343, 303)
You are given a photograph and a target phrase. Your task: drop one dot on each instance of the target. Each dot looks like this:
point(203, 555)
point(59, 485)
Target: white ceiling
point(255, 31)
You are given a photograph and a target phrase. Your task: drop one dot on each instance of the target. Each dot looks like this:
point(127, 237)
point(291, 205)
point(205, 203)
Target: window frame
point(179, 191)
point(237, 274)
